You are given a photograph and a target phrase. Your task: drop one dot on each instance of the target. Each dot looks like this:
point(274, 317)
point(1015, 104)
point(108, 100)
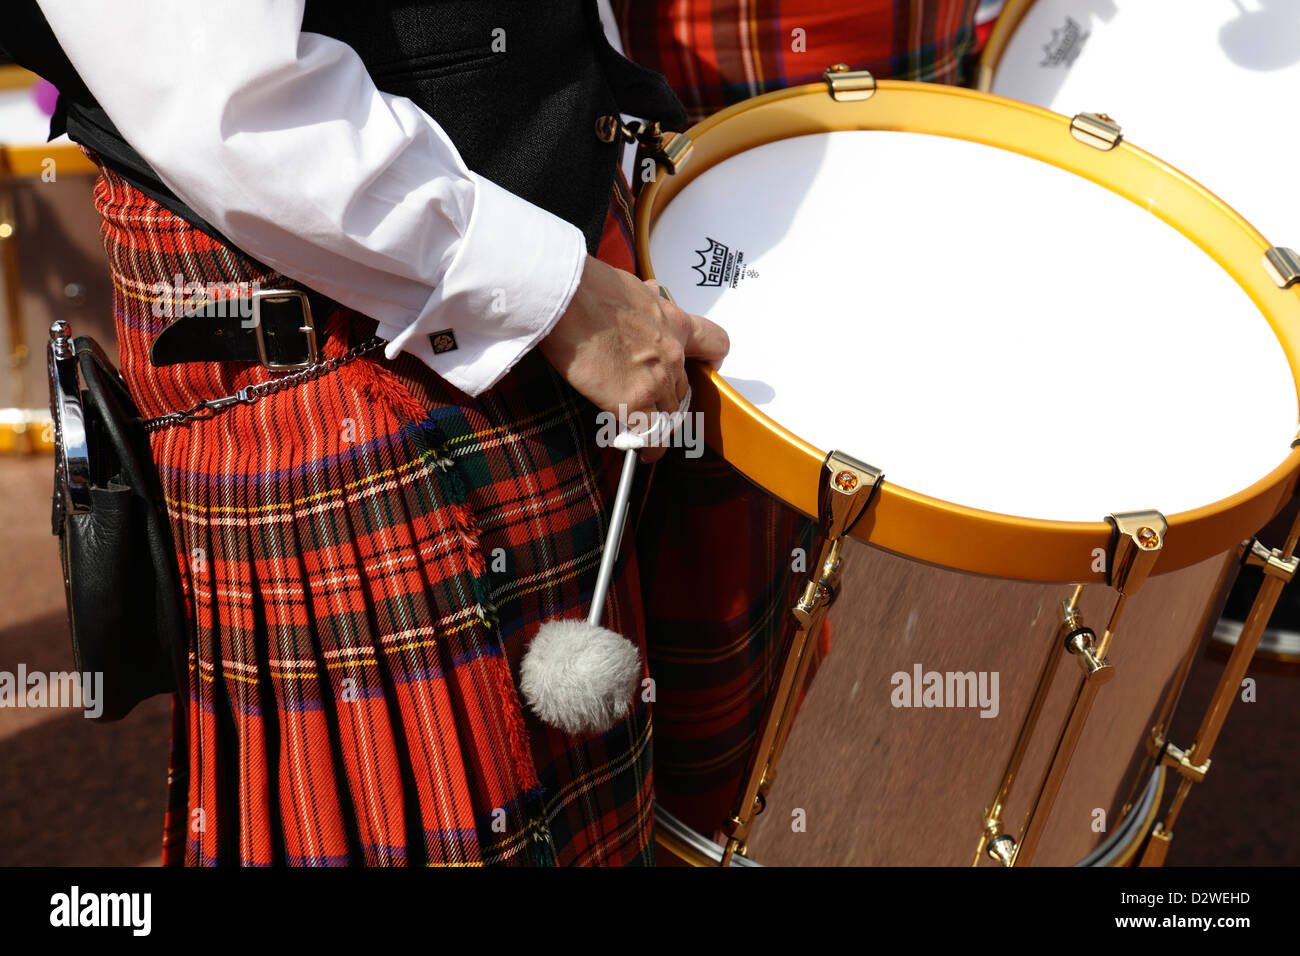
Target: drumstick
point(614, 539)
point(578, 676)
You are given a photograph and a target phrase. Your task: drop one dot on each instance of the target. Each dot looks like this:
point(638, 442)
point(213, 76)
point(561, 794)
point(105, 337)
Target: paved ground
point(72, 792)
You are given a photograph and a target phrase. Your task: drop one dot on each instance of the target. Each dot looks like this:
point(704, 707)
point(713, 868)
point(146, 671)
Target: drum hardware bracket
point(848, 487)
point(1174, 756)
point(1082, 643)
point(1283, 266)
point(847, 86)
point(1003, 849)
point(1096, 130)
point(669, 149)
point(1279, 567)
point(1271, 560)
point(1137, 538)
point(1072, 635)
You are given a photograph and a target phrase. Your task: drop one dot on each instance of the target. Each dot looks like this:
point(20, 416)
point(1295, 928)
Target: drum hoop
point(29, 162)
point(1004, 28)
point(930, 529)
point(675, 837)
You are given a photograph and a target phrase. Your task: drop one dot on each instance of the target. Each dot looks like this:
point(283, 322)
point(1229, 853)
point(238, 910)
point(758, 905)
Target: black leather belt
point(274, 327)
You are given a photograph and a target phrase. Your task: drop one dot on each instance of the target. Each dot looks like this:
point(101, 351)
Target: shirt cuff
point(510, 279)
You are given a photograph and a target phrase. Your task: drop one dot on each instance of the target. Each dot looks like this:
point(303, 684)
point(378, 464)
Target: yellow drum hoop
point(1004, 28)
point(908, 522)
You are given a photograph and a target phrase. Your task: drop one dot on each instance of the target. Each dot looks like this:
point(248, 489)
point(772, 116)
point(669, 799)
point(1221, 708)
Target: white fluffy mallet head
point(579, 678)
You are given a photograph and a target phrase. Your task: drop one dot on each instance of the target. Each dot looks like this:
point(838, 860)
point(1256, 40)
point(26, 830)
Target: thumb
point(707, 340)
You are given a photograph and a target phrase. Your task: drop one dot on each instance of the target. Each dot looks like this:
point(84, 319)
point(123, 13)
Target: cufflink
point(444, 341)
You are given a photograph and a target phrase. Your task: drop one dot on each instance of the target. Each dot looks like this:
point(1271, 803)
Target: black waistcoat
point(516, 84)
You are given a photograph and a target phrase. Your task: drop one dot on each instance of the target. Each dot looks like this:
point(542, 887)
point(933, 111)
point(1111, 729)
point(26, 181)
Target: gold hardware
point(1096, 130)
point(1271, 561)
point(1081, 644)
point(609, 128)
point(665, 147)
point(1157, 847)
point(1192, 764)
point(1097, 671)
point(848, 487)
point(1283, 266)
point(1136, 542)
point(1071, 620)
point(847, 86)
point(1181, 761)
point(1003, 849)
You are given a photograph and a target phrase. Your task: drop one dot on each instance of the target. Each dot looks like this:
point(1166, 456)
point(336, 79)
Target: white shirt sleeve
point(280, 139)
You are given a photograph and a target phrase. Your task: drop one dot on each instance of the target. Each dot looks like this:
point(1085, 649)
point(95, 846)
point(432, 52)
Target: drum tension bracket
point(1283, 266)
point(849, 486)
point(1176, 757)
point(1137, 538)
point(846, 86)
point(667, 148)
point(1096, 130)
point(1271, 560)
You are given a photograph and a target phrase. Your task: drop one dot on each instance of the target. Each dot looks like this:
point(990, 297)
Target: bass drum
point(1027, 329)
point(1205, 83)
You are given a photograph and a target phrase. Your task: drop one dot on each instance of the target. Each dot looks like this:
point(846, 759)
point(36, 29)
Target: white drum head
point(22, 123)
point(1206, 85)
point(986, 328)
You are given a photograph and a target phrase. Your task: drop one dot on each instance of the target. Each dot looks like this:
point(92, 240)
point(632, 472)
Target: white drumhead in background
point(1209, 86)
point(22, 123)
point(988, 329)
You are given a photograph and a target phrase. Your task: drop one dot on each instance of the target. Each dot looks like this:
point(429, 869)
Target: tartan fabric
point(365, 556)
point(722, 563)
point(719, 52)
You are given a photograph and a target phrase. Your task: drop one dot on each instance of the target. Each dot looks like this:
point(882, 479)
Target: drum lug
point(1096, 130)
point(1271, 561)
point(1283, 266)
point(668, 149)
point(1003, 849)
point(1082, 643)
point(1136, 542)
point(1174, 756)
point(847, 86)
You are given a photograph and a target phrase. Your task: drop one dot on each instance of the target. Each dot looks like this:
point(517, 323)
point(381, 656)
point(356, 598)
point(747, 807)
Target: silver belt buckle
point(308, 328)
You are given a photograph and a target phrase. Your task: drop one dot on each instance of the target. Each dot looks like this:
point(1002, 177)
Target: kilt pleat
point(365, 556)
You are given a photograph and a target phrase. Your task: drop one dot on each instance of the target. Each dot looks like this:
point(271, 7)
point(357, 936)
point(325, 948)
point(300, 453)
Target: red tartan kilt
point(365, 556)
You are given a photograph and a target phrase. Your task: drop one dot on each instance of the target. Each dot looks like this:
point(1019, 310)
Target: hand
point(621, 343)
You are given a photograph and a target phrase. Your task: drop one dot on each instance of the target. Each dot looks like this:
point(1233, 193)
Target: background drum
point(1074, 356)
point(1225, 127)
point(51, 260)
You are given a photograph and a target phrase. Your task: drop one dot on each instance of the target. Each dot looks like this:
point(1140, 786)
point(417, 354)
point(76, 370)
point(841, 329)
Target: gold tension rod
point(1136, 541)
point(1193, 763)
point(847, 487)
